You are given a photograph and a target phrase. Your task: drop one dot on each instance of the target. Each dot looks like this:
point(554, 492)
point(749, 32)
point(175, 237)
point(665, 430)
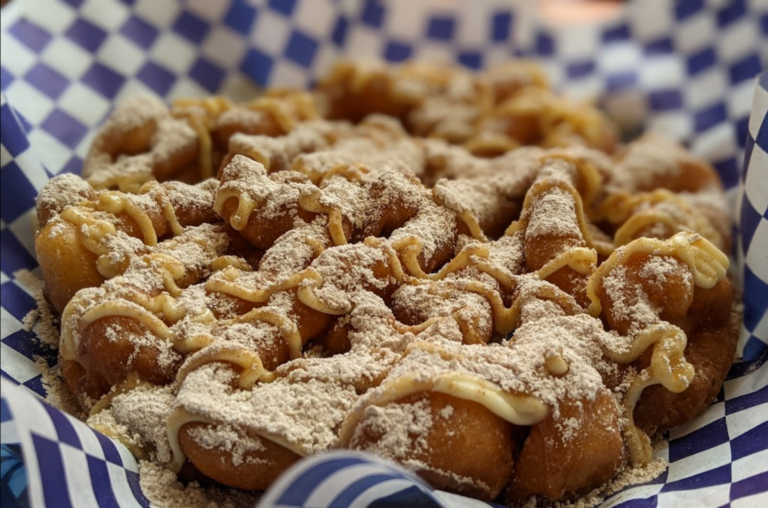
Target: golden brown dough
point(467, 450)
point(90, 240)
point(575, 452)
point(254, 470)
point(483, 286)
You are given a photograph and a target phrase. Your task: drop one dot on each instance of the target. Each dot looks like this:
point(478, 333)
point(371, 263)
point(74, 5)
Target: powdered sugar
point(517, 366)
point(42, 320)
point(59, 192)
point(396, 431)
point(629, 301)
point(248, 179)
point(301, 415)
point(346, 269)
point(553, 214)
point(138, 417)
point(227, 439)
point(139, 138)
point(164, 490)
point(657, 268)
point(390, 322)
point(276, 153)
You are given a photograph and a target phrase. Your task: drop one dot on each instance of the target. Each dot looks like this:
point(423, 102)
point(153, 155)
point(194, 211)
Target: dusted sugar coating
point(489, 113)
point(96, 234)
point(143, 140)
point(402, 278)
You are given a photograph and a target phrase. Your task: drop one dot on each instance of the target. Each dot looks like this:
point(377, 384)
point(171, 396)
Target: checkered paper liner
point(684, 68)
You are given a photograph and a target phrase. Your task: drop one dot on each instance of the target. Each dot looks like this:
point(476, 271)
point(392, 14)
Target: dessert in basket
point(464, 273)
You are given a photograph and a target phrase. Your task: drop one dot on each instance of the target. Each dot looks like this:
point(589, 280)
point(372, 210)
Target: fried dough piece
point(710, 349)
point(94, 239)
point(454, 444)
point(255, 468)
point(575, 452)
point(140, 142)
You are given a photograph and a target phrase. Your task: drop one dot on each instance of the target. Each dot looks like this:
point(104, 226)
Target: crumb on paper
point(164, 490)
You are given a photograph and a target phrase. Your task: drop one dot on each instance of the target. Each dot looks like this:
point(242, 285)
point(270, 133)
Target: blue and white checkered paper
point(753, 219)
point(685, 68)
point(67, 464)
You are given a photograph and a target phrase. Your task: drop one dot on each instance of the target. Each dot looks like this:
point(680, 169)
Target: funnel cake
point(509, 326)
point(489, 113)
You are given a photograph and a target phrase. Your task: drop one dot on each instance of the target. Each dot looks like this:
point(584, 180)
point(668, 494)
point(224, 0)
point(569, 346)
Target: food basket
point(689, 69)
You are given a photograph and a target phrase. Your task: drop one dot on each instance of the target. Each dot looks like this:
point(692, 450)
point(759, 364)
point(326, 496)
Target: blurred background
point(682, 67)
point(685, 68)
